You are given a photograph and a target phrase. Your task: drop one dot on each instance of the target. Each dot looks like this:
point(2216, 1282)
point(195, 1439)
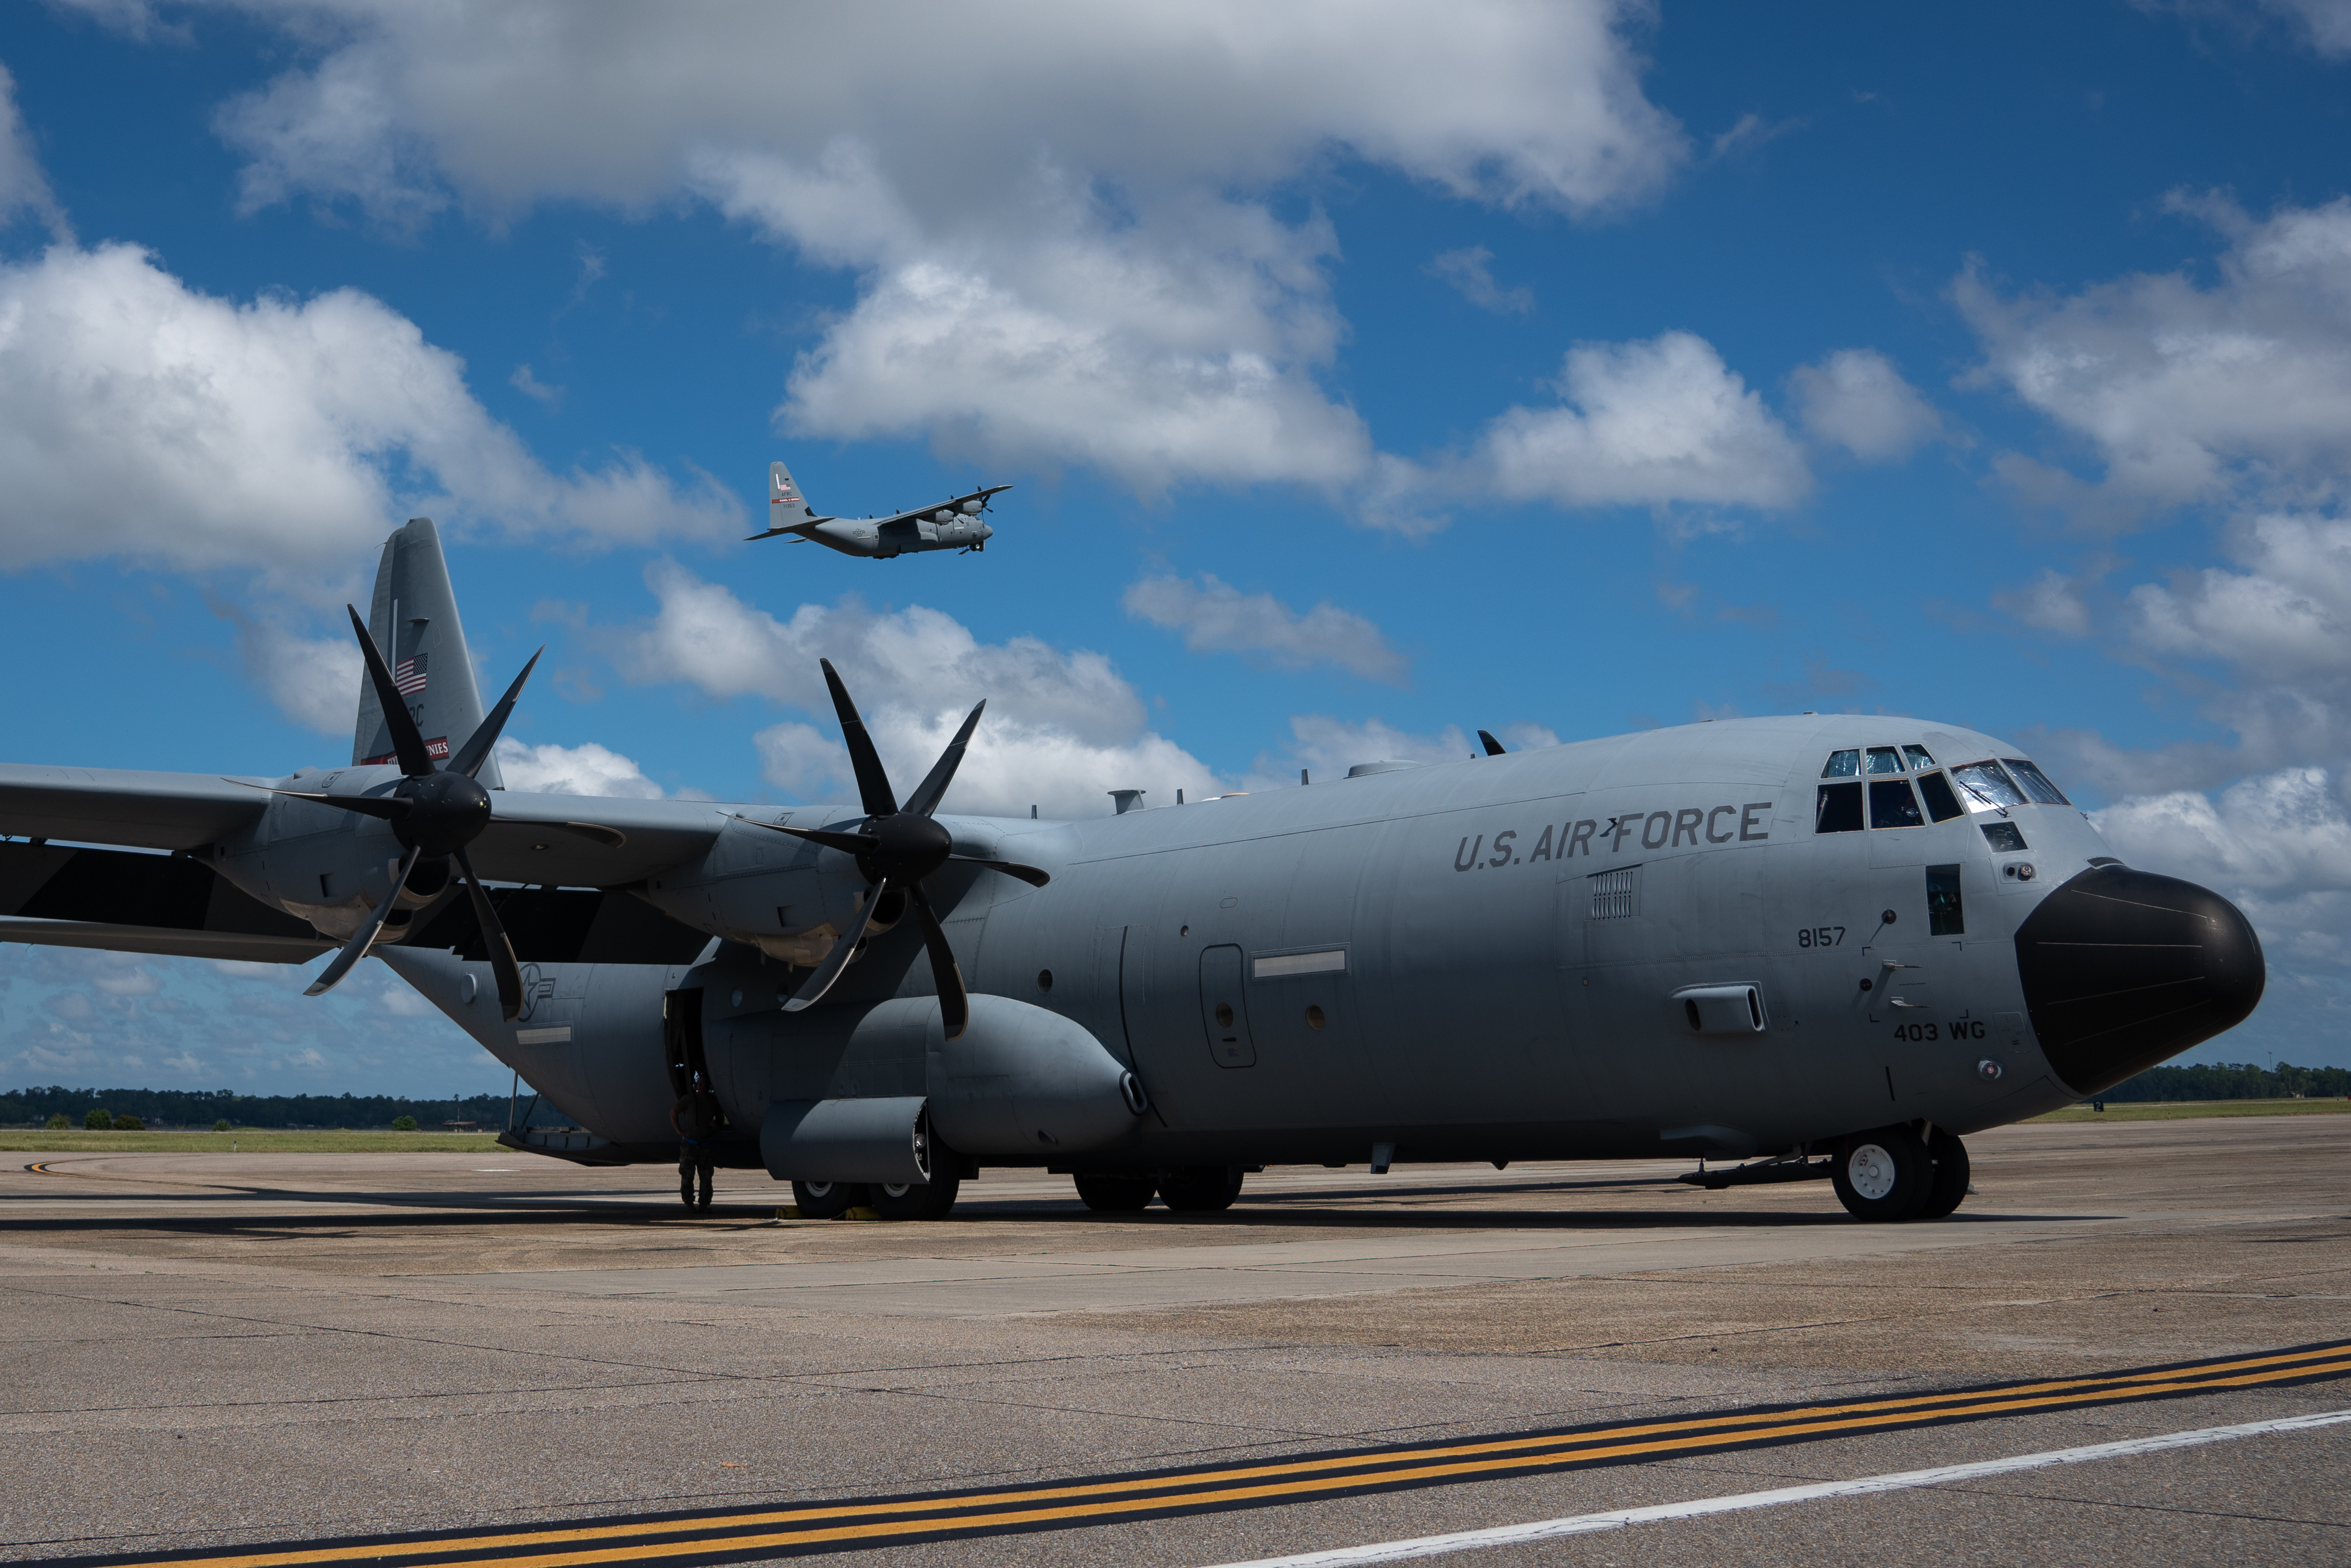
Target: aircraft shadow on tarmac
point(1271, 1211)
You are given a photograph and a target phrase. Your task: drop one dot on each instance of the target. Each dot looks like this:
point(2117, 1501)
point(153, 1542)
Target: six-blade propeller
point(896, 848)
point(434, 812)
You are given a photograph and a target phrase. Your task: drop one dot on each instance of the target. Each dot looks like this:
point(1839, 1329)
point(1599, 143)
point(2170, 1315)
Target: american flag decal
point(409, 675)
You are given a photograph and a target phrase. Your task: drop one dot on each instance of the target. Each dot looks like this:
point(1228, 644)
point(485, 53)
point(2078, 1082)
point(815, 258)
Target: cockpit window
point(2036, 783)
point(1891, 804)
point(1986, 787)
point(1842, 765)
point(1941, 804)
point(1916, 756)
point(1884, 760)
point(1838, 810)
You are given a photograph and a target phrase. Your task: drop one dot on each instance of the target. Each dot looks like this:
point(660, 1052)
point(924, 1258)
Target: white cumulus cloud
point(2235, 392)
point(1856, 398)
point(1217, 618)
point(1056, 211)
point(584, 770)
point(1646, 424)
point(142, 418)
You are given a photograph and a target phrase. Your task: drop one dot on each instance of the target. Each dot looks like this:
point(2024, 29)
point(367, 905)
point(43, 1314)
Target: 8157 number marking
point(1821, 936)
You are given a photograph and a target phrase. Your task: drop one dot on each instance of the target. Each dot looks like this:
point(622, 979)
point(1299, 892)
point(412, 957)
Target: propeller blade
point(1493, 748)
point(406, 743)
point(847, 843)
point(873, 783)
point(838, 959)
point(391, 807)
point(925, 798)
point(476, 749)
point(955, 1005)
point(1028, 873)
point(356, 948)
point(495, 938)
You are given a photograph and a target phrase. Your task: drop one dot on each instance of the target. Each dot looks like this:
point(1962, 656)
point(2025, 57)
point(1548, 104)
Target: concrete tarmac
point(204, 1350)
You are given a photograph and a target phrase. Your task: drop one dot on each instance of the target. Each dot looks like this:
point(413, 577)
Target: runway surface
point(251, 1359)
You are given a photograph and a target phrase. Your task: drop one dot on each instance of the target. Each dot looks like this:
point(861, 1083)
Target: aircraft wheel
point(1883, 1175)
point(1114, 1195)
point(892, 1201)
point(827, 1199)
point(1201, 1189)
point(1949, 1186)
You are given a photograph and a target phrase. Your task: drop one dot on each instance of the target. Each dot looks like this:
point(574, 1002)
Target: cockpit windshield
point(1986, 787)
point(1884, 760)
point(1842, 764)
point(2035, 782)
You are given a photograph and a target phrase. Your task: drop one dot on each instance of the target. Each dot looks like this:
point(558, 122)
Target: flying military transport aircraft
point(952, 523)
point(1823, 946)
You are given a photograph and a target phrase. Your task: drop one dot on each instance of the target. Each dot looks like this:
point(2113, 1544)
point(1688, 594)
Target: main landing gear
point(1195, 1189)
point(1892, 1174)
point(832, 1199)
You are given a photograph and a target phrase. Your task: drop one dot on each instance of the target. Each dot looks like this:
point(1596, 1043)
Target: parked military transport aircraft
point(1823, 944)
point(952, 523)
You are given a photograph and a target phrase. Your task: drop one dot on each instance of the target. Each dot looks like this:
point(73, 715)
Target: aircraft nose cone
point(2124, 968)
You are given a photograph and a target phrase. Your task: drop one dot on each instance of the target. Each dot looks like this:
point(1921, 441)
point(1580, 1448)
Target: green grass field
point(246, 1141)
point(2183, 1110)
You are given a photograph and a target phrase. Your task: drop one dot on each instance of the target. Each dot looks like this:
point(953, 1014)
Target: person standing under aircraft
point(696, 1118)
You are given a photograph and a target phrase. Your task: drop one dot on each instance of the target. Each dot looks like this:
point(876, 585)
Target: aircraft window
point(1986, 786)
point(1884, 760)
point(1842, 764)
point(1915, 756)
point(2005, 838)
point(1891, 804)
point(1945, 916)
point(2036, 783)
point(1838, 809)
point(1941, 804)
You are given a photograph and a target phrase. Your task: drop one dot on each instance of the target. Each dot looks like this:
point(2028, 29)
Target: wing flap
point(588, 841)
point(53, 896)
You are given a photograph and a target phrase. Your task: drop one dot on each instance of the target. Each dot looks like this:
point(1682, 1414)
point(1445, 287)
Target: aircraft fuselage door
point(1224, 1008)
point(682, 1037)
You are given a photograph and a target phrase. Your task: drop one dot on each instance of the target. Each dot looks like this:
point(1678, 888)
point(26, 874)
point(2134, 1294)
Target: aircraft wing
point(116, 805)
point(591, 840)
point(915, 513)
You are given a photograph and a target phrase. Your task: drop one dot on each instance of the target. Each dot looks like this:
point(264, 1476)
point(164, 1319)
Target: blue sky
point(1367, 375)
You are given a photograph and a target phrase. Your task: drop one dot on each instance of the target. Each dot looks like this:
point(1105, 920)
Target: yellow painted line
point(1280, 1481)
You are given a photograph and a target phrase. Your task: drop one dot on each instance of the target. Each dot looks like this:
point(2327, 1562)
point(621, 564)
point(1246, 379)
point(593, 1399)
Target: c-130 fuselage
point(1686, 942)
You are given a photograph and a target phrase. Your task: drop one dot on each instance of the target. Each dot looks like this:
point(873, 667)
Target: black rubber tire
point(930, 1202)
point(827, 1199)
point(1114, 1193)
point(1882, 1176)
point(1201, 1189)
point(1947, 1188)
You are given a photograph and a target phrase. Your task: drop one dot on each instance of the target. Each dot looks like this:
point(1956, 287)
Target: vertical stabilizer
point(414, 618)
point(787, 507)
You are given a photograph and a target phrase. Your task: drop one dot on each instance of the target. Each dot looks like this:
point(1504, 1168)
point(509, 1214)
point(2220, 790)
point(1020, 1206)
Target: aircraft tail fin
point(414, 618)
point(787, 507)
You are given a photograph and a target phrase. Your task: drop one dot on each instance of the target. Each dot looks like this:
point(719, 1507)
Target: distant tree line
point(2235, 1081)
point(201, 1108)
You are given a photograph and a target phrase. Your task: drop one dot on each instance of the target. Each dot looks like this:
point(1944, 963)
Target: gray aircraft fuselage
point(1513, 957)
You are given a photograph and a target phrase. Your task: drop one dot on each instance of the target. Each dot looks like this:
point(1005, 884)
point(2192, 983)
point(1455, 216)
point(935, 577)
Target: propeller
point(434, 812)
point(1493, 748)
point(896, 848)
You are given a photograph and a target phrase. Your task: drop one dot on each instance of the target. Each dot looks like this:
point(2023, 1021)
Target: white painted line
point(1586, 1523)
